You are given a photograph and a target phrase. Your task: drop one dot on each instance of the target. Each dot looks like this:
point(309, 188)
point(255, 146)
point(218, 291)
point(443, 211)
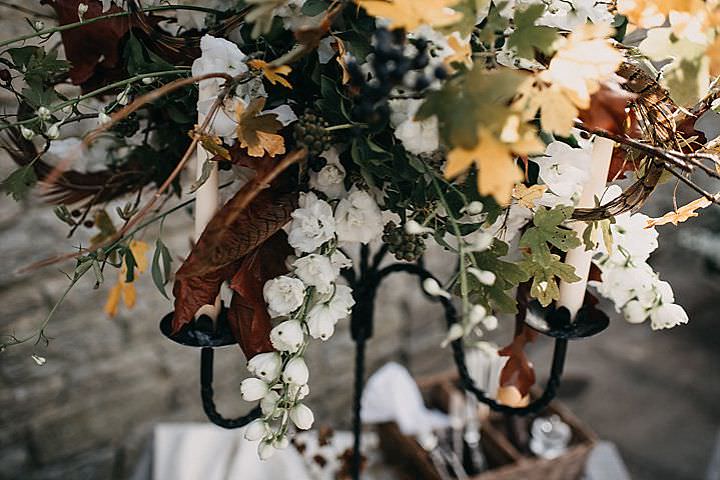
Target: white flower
point(81, 11)
point(432, 287)
point(322, 317)
point(414, 228)
point(265, 366)
point(358, 218)
point(53, 132)
point(123, 98)
point(283, 295)
point(635, 312)
point(256, 430)
point(269, 402)
point(479, 241)
point(281, 443)
point(287, 336)
point(296, 372)
point(26, 133)
point(298, 391)
point(43, 114)
point(313, 224)
point(668, 315)
point(315, 271)
point(564, 169)
point(302, 416)
point(330, 179)
point(218, 56)
point(416, 136)
point(103, 119)
point(253, 389)
point(340, 261)
point(631, 238)
point(265, 450)
point(39, 360)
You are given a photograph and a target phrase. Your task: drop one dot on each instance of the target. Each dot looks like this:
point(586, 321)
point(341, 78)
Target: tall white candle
point(573, 294)
point(206, 203)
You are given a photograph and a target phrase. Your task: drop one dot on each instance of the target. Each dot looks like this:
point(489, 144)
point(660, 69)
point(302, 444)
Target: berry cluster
point(311, 132)
point(390, 67)
point(403, 245)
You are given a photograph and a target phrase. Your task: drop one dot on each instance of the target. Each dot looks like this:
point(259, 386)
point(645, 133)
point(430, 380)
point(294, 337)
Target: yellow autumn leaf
point(341, 59)
point(557, 111)
point(256, 130)
point(682, 214)
point(272, 73)
point(124, 290)
point(527, 196)
point(462, 52)
point(410, 14)
point(497, 171)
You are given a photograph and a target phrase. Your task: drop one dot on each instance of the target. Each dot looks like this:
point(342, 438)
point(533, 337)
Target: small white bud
point(281, 443)
point(26, 133)
point(484, 276)
point(299, 391)
point(43, 113)
point(39, 360)
point(269, 402)
point(431, 287)
point(256, 430)
point(490, 322)
point(253, 389)
point(103, 119)
point(414, 228)
point(302, 416)
point(296, 372)
point(53, 132)
point(481, 242)
point(455, 332)
point(265, 366)
point(123, 97)
point(148, 80)
point(39, 25)
point(473, 208)
point(477, 313)
point(82, 10)
point(265, 450)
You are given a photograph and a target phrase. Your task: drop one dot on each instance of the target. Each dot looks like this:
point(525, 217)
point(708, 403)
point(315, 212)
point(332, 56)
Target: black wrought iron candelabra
point(365, 281)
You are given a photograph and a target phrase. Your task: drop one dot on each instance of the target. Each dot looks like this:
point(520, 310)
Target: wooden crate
point(506, 462)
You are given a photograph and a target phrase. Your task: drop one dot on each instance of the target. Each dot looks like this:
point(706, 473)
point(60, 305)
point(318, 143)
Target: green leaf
point(207, 169)
point(314, 7)
point(545, 285)
point(508, 275)
point(130, 263)
point(161, 267)
point(528, 37)
point(19, 182)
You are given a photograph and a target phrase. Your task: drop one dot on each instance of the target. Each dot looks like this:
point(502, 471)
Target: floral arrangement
point(487, 128)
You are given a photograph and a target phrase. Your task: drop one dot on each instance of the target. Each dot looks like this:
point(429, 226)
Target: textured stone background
point(88, 412)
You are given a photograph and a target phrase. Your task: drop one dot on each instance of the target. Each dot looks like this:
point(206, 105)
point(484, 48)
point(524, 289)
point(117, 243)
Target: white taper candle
point(206, 203)
point(573, 294)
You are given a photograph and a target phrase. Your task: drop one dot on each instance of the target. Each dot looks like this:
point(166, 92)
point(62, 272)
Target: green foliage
point(19, 182)
point(508, 276)
point(38, 66)
point(528, 37)
point(161, 268)
point(539, 262)
point(314, 7)
point(478, 99)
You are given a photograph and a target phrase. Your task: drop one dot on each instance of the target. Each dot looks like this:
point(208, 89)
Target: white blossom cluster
point(628, 280)
point(308, 303)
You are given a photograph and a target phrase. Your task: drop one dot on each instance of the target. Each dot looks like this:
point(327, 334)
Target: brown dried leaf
point(257, 131)
point(248, 316)
point(518, 371)
point(94, 50)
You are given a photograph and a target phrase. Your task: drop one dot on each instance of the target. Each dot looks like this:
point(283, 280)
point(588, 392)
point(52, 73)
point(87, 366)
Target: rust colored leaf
point(193, 292)
point(608, 110)
point(94, 50)
point(248, 316)
point(518, 371)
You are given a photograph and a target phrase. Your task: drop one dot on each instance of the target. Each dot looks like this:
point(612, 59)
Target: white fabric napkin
point(193, 451)
point(391, 394)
